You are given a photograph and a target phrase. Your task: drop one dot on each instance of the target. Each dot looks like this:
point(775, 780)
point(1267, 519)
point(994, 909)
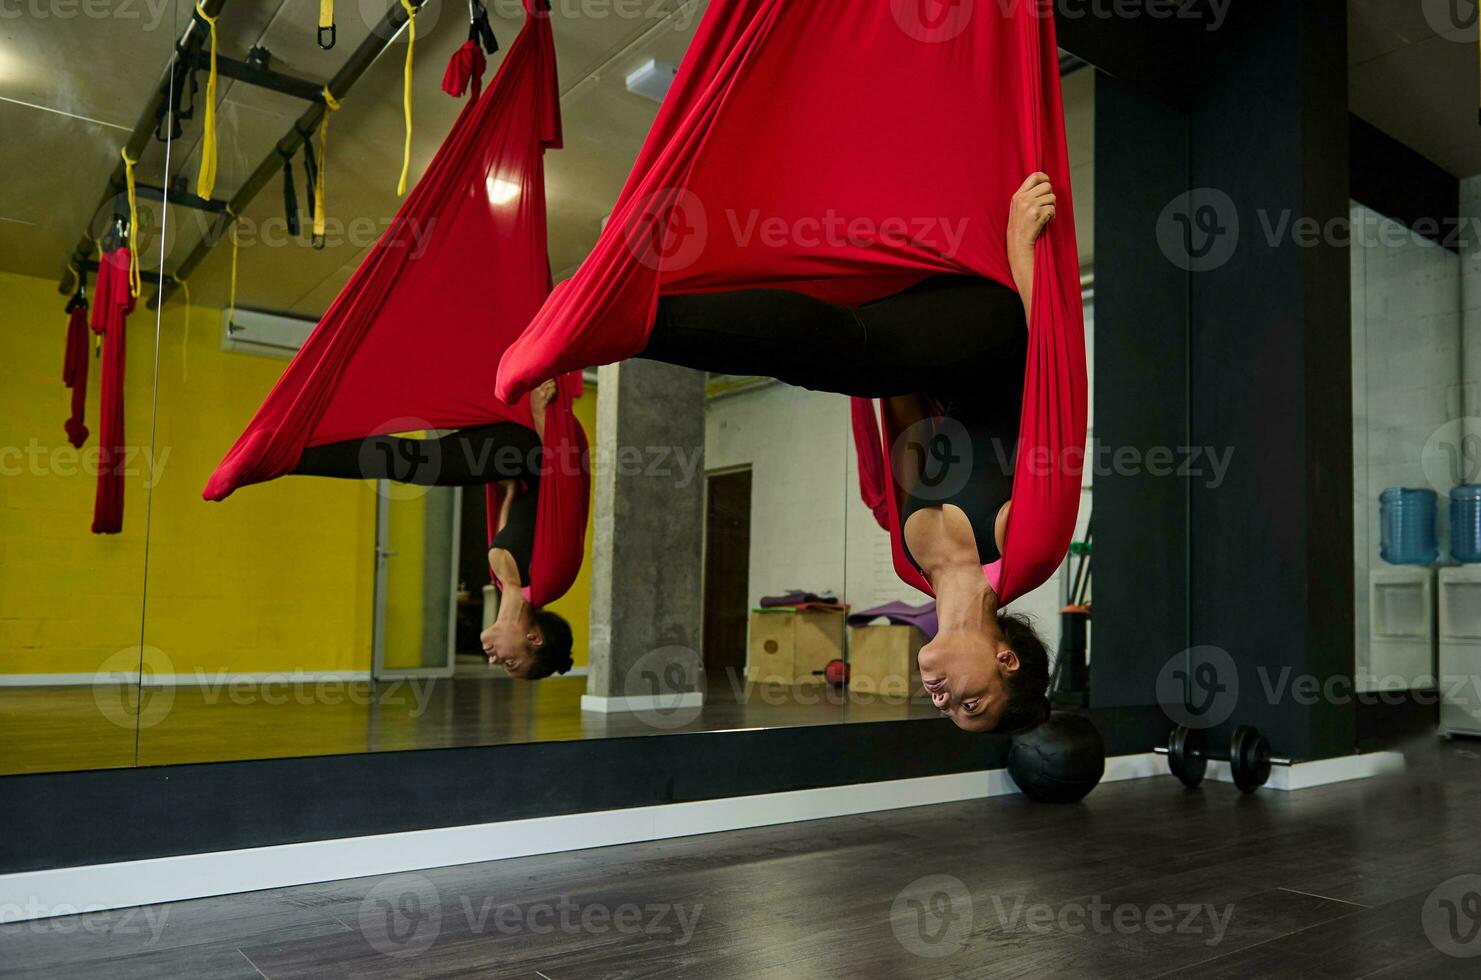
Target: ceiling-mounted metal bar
point(183, 198)
point(184, 55)
point(148, 275)
point(245, 71)
point(379, 38)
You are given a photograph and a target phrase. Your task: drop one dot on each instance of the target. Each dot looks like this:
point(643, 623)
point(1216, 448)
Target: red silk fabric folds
point(847, 151)
point(74, 373)
point(112, 303)
point(413, 340)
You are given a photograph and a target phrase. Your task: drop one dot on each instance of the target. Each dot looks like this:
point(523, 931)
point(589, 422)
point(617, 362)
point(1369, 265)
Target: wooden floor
point(1145, 879)
point(50, 729)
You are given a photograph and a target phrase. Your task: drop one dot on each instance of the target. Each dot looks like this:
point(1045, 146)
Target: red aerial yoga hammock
point(74, 370)
point(113, 301)
point(828, 149)
point(413, 340)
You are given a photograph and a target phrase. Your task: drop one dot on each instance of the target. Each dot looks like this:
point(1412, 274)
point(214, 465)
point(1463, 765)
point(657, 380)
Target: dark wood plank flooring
point(1145, 879)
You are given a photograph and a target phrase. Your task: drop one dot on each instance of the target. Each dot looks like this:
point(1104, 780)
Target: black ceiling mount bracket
point(144, 129)
point(258, 74)
point(379, 38)
point(181, 197)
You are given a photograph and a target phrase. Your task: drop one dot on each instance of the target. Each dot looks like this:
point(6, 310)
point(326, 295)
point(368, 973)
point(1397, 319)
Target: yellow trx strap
point(76, 278)
point(331, 104)
point(326, 23)
point(98, 336)
point(205, 181)
point(231, 308)
point(411, 40)
point(128, 176)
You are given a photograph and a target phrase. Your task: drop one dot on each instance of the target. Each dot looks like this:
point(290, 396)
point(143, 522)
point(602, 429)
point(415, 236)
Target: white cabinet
point(1402, 629)
point(1460, 650)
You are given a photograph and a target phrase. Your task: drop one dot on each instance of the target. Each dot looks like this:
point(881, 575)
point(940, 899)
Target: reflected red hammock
point(413, 340)
point(848, 151)
point(112, 303)
point(74, 371)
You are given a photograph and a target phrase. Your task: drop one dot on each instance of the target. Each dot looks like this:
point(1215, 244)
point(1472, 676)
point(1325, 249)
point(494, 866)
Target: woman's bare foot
point(1029, 214)
point(540, 399)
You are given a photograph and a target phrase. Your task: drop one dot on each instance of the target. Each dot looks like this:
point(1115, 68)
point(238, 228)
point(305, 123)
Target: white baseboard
point(199, 679)
point(641, 702)
point(66, 891)
point(1119, 767)
point(1319, 772)
point(68, 680)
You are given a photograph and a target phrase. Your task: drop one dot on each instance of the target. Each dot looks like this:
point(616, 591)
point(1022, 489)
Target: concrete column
point(647, 548)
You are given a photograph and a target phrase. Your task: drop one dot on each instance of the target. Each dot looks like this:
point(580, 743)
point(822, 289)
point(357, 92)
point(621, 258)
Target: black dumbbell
point(1249, 757)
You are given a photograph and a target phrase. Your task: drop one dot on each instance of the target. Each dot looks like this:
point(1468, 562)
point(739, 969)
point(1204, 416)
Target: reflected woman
point(528, 642)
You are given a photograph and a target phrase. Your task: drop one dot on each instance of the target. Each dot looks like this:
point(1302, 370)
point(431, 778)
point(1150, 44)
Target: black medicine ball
point(1060, 761)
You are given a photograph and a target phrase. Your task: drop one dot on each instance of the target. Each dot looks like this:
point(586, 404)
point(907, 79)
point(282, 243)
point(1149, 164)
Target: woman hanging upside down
point(947, 356)
point(529, 643)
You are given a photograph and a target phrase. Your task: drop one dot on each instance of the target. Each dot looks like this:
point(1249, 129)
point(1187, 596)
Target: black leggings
point(962, 342)
point(466, 458)
point(942, 337)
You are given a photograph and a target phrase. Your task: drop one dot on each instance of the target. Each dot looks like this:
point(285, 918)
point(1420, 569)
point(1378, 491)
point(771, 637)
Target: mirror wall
point(74, 523)
point(726, 541)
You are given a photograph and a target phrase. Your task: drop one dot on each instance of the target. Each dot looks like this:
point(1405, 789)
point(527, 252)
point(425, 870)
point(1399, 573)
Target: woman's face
point(966, 673)
point(512, 647)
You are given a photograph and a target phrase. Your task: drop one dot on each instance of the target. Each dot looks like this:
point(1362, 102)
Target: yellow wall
point(278, 578)
point(69, 599)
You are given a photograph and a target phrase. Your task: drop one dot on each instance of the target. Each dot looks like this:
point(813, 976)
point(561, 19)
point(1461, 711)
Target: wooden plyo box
point(882, 659)
point(788, 645)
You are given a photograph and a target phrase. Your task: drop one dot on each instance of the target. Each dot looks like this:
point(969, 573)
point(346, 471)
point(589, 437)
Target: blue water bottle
point(1407, 518)
point(1465, 523)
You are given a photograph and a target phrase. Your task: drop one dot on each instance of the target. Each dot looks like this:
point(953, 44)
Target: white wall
point(1470, 208)
point(795, 442)
point(1407, 378)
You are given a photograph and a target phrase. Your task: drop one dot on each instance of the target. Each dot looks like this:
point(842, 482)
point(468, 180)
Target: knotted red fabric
point(848, 151)
point(74, 372)
point(465, 70)
point(413, 340)
point(113, 301)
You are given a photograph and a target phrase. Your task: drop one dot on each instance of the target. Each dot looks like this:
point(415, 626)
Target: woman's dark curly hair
point(1028, 700)
point(554, 655)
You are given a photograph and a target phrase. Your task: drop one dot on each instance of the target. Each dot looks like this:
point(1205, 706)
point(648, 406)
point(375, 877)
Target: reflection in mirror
point(346, 597)
point(82, 233)
point(781, 579)
point(344, 604)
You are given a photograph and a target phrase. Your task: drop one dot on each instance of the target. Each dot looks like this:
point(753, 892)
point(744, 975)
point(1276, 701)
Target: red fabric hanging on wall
point(112, 304)
point(74, 372)
point(412, 342)
point(848, 151)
